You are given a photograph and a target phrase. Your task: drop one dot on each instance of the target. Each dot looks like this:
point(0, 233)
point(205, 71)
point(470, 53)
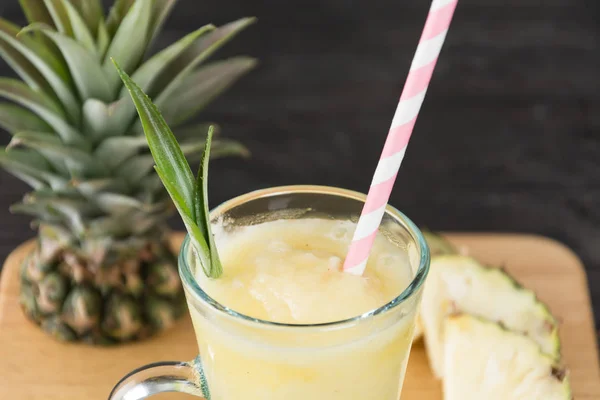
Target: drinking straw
point(421, 69)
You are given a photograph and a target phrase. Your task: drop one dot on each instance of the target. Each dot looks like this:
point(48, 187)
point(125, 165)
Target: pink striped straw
point(421, 69)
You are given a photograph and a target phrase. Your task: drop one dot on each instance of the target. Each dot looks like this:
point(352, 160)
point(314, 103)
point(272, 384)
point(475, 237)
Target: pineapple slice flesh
point(461, 284)
point(485, 361)
point(438, 245)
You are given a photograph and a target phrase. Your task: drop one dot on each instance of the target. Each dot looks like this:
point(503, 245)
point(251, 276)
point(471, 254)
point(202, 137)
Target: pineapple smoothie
point(290, 272)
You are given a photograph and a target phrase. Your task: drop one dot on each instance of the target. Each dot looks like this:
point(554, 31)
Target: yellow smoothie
point(290, 272)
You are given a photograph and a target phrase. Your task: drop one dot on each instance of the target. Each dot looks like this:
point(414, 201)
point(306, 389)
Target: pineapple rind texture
point(438, 245)
point(483, 360)
point(127, 301)
point(102, 271)
point(461, 284)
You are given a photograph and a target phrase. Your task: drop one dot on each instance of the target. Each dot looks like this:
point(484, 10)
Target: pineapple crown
point(76, 139)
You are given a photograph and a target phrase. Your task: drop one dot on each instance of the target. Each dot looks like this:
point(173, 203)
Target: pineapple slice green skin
point(461, 284)
point(437, 246)
point(483, 360)
point(102, 271)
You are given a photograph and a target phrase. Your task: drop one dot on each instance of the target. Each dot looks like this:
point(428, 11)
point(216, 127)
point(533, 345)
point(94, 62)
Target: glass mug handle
point(169, 376)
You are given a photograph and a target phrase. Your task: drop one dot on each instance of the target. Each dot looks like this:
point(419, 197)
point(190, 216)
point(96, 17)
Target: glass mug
point(243, 358)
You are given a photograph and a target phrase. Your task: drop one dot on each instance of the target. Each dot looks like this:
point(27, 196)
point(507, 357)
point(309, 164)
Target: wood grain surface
point(35, 367)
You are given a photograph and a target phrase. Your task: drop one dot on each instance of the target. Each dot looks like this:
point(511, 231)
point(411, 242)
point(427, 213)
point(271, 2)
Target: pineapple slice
point(437, 246)
point(461, 284)
point(484, 361)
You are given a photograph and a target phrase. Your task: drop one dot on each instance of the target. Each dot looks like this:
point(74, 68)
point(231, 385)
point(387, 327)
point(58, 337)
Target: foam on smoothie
point(290, 271)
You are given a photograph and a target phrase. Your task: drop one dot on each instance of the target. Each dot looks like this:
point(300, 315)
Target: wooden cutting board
point(35, 367)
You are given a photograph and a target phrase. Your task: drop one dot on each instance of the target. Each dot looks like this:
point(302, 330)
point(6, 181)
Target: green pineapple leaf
point(90, 79)
point(117, 204)
point(19, 92)
point(228, 147)
point(90, 188)
point(101, 120)
point(73, 211)
point(47, 53)
point(14, 118)
point(47, 65)
point(174, 171)
point(112, 227)
point(16, 60)
point(27, 157)
point(59, 15)
point(43, 106)
point(36, 11)
point(81, 32)
point(162, 9)
point(201, 247)
point(79, 162)
point(201, 189)
point(171, 78)
point(202, 86)
point(113, 151)
point(202, 211)
point(196, 131)
point(193, 150)
point(145, 75)
point(220, 148)
point(152, 186)
point(117, 12)
point(40, 211)
point(31, 168)
point(91, 11)
point(129, 42)
point(102, 39)
point(164, 147)
point(136, 168)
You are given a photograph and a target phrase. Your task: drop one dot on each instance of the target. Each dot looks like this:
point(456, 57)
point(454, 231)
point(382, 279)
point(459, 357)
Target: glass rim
point(190, 282)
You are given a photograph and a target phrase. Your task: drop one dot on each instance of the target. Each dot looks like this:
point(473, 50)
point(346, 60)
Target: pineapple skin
point(102, 271)
point(484, 360)
point(476, 289)
point(124, 299)
point(438, 246)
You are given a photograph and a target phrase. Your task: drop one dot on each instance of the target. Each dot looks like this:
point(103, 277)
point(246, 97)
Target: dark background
point(508, 138)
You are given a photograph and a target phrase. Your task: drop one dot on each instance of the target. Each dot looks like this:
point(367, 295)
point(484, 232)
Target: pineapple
point(460, 284)
point(485, 361)
point(437, 246)
point(103, 271)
